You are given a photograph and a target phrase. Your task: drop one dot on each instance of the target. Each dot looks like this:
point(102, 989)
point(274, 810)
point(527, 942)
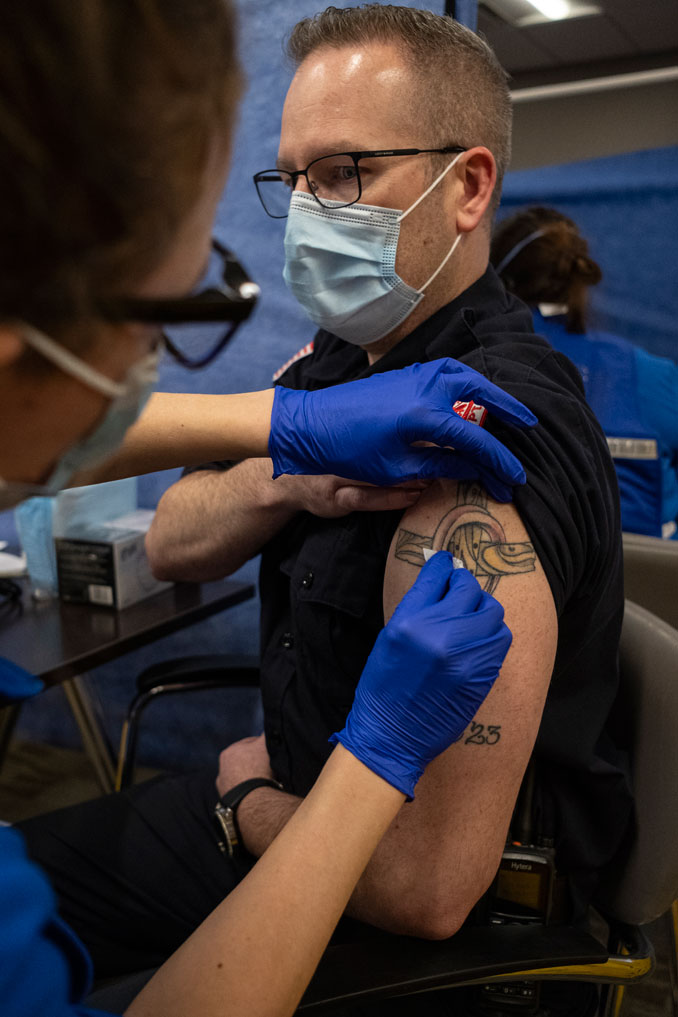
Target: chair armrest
point(401, 965)
point(224, 669)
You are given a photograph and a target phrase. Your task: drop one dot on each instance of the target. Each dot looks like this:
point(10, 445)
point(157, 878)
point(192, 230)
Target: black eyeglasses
point(194, 325)
point(333, 180)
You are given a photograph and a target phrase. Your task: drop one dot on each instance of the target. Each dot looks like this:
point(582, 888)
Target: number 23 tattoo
point(481, 734)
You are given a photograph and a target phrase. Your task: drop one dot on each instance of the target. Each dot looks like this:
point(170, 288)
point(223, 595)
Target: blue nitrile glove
point(430, 669)
point(363, 430)
point(16, 683)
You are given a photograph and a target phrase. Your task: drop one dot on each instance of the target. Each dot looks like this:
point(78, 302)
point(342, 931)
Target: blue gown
point(635, 397)
point(44, 968)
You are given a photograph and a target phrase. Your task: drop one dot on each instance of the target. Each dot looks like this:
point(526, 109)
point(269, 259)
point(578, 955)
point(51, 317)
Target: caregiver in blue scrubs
point(542, 257)
point(114, 144)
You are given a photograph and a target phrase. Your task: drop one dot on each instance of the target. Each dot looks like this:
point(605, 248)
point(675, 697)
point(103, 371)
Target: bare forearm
point(260, 947)
point(262, 815)
point(210, 523)
point(400, 887)
point(179, 429)
point(392, 880)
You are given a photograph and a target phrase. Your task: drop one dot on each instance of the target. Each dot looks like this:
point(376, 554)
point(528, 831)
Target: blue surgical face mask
point(340, 265)
point(128, 398)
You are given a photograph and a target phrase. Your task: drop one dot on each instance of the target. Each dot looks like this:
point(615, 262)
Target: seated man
point(136, 871)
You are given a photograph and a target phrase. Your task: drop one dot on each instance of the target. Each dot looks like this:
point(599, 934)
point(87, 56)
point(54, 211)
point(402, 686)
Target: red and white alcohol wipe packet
point(470, 411)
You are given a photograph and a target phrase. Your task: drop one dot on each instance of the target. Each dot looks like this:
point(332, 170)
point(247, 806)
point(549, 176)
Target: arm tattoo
point(472, 534)
point(481, 734)
point(410, 547)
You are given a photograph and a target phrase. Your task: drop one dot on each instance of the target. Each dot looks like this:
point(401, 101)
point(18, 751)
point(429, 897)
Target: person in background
point(114, 143)
point(542, 257)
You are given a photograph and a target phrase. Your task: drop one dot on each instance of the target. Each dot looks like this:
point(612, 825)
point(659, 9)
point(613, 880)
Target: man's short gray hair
point(462, 89)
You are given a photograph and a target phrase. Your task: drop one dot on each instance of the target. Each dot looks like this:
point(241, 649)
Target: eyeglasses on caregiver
point(196, 328)
point(333, 180)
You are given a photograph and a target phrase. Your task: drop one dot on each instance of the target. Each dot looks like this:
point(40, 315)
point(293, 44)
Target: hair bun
point(587, 269)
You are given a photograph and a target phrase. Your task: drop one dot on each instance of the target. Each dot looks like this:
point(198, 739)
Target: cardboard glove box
point(106, 563)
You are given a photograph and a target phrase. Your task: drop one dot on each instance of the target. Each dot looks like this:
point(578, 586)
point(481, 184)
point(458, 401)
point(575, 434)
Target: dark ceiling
point(628, 35)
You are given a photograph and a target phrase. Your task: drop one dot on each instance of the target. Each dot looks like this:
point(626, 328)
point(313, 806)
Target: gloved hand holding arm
point(430, 669)
point(365, 429)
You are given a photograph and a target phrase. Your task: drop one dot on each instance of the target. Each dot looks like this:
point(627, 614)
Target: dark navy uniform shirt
point(321, 579)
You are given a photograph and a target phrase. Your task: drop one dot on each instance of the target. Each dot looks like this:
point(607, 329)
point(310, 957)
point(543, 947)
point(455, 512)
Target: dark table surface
point(57, 640)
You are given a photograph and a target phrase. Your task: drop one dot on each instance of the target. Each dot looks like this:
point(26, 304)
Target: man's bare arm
point(211, 522)
point(443, 849)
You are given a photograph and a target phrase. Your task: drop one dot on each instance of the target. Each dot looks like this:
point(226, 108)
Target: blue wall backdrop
point(627, 205)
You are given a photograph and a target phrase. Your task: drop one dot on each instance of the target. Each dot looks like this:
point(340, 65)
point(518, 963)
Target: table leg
point(94, 739)
point(8, 718)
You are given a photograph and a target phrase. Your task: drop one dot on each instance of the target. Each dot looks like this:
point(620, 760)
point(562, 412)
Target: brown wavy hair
point(108, 109)
point(554, 268)
point(462, 95)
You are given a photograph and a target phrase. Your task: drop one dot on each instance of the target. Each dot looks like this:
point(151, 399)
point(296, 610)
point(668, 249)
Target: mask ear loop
point(71, 364)
point(508, 258)
point(431, 188)
point(441, 266)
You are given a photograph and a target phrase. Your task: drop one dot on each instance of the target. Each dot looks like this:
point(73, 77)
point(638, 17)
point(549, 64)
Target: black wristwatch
point(224, 812)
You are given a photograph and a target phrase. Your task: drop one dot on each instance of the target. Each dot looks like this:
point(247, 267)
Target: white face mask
point(340, 265)
point(128, 399)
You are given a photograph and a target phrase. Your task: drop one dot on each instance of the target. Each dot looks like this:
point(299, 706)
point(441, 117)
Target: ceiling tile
point(653, 24)
point(577, 40)
point(515, 51)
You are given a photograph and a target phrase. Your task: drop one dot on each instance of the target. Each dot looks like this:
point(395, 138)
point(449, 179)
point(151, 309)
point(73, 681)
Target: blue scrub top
point(635, 396)
point(44, 968)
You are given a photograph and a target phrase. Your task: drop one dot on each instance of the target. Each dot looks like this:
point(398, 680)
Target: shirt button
point(307, 581)
point(287, 640)
point(274, 736)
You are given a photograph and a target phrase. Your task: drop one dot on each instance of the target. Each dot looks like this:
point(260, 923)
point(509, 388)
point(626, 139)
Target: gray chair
point(651, 575)
point(639, 887)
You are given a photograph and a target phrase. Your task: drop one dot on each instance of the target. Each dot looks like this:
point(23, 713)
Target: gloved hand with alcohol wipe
point(430, 669)
point(364, 429)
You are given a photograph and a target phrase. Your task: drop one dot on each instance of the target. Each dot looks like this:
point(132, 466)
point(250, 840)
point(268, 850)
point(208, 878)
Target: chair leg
point(672, 918)
point(128, 741)
point(127, 752)
point(94, 740)
point(612, 996)
point(8, 718)
point(612, 1000)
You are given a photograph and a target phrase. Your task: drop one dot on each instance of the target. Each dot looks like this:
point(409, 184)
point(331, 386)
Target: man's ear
point(478, 174)
point(11, 346)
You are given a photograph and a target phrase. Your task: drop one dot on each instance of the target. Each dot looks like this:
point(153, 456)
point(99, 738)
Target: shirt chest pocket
point(337, 613)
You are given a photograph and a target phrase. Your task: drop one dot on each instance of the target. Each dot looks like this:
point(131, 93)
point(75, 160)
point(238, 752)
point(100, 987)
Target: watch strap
point(230, 840)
